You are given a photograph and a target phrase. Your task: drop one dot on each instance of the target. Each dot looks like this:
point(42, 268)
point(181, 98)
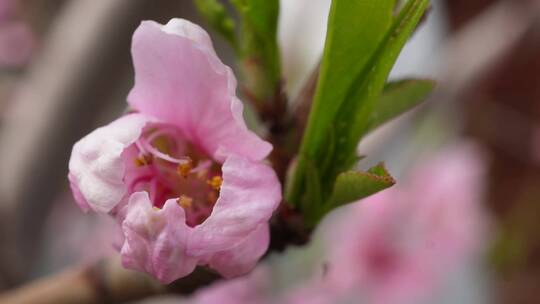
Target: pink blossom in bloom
point(182, 174)
point(400, 246)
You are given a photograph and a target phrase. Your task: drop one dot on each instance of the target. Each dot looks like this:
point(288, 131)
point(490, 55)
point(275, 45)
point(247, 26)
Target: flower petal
point(248, 196)
point(243, 257)
point(96, 166)
point(155, 240)
point(77, 195)
point(180, 80)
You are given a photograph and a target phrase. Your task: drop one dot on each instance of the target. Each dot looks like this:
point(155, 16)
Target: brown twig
point(102, 282)
point(287, 226)
point(287, 127)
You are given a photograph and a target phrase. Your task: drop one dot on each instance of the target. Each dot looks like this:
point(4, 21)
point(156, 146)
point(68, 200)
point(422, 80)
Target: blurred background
point(65, 68)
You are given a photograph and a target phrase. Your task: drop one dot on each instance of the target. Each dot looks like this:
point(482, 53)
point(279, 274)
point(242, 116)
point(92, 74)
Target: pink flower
point(183, 174)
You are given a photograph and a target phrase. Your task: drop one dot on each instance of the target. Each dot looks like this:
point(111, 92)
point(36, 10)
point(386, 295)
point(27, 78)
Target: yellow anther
point(215, 182)
point(185, 168)
point(155, 208)
point(143, 160)
point(185, 201)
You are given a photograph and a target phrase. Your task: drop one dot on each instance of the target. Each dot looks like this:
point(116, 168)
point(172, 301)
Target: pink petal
point(79, 198)
point(248, 196)
point(180, 80)
point(155, 240)
point(242, 258)
point(191, 31)
point(96, 166)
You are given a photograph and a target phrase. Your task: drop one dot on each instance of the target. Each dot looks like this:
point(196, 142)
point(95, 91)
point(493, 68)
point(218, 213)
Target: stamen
point(145, 145)
point(201, 171)
point(163, 130)
point(201, 175)
point(185, 201)
point(143, 160)
point(184, 169)
point(194, 183)
point(215, 182)
point(139, 146)
point(202, 166)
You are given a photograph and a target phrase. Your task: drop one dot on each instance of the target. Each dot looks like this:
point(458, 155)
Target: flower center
point(167, 166)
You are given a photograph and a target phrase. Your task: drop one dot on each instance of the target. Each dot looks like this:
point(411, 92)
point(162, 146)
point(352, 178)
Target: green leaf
point(348, 96)
point(351, 186)
point(218, 18)
point(350, 85)
point(364, 94)
point(399, 97)
point(355, 31)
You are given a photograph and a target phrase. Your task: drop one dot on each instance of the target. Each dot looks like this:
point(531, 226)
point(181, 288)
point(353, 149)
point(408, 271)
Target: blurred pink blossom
point(183, 174)
point(398, 246)
point(17, 40)
point(245, 290)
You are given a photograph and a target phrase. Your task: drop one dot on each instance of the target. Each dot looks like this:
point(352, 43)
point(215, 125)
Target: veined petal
point(180, 80)
point(96, 166)
point(249, 195)
point(155, 240)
